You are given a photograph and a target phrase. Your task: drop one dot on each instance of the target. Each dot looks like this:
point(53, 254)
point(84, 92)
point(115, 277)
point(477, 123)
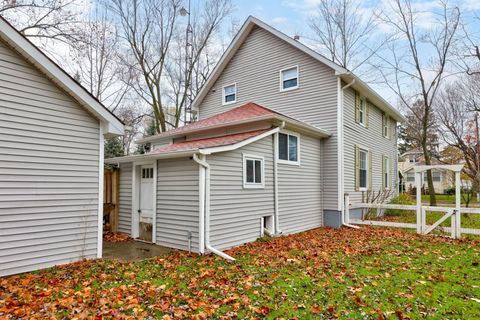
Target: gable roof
point(112, 126)
point(343, 73)
point(247, 113)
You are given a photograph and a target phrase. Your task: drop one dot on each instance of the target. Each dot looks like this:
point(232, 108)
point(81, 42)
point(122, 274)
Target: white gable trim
point(111, 125)
point(339, 71)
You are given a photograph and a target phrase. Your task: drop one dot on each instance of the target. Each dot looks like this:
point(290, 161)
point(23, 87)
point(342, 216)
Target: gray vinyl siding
point(235, 212)
point(125, 210)
point(49, 164)
point(255, 68)
point(300, 189)
point(177, 203)
point(371, 138)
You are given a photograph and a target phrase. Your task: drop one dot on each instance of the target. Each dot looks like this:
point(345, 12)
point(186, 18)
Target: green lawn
point(448, 199)
point(321, 274)
point(466, 220)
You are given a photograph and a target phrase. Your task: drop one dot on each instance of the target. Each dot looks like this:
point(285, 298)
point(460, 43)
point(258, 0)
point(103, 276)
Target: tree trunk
point(428, 161)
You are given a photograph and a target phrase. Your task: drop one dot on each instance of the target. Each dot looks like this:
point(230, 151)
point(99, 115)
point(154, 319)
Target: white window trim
point(296, 163)
point(224, 103)
point(281, 79)
point(364, 99)
point(253, 185)
point(386, 163)
point(386, 121)
point(367, 150)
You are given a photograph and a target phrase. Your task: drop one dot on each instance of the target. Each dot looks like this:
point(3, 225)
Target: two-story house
point(283, 134)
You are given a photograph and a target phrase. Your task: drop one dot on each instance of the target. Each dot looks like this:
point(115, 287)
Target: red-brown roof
point(208, 142)
point(247, 112)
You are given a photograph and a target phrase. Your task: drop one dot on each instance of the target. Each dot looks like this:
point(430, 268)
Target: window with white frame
point(386, 172)
point(230, 94)
point(410, 177)
point(253, 172)
point(289, 78)
point(147, 173)
point(288, 148)
point(385, 125)
point(362, 110)
point(363, 169)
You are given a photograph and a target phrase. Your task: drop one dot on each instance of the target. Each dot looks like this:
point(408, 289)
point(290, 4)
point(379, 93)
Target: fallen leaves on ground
point(322, 273)
point(116, 237)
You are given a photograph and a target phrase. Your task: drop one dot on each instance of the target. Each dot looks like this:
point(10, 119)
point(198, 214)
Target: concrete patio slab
point(132, 250)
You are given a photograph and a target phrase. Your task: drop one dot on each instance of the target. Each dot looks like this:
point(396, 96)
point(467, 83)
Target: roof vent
point(296, 37)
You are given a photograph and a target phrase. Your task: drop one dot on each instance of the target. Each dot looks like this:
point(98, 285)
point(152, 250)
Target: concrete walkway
point(132, 250)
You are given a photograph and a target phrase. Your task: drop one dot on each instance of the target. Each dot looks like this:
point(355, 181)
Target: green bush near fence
point(402, 199)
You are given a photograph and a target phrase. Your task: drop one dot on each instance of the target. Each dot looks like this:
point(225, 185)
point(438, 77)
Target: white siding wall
point(235, 212)
point(300, 189)
point(256, 70)
point(125, 211)
point(370, 138)
point(177, 203)
point(48, 171)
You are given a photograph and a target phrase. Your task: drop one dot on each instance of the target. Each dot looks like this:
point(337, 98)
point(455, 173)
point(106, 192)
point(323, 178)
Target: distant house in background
point(51, 160)
point(283, 134)
point(443, 180)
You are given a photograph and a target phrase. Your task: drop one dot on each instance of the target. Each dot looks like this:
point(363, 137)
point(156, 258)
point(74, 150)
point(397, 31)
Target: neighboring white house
point(283, 134)
point(443, 180)
point(51, 160)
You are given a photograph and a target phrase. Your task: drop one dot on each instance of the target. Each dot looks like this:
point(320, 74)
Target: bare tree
point(98, 61)
point(458, 111)
point(342, 30)
point(150, 28)
point(408, 68)
point(43, 19)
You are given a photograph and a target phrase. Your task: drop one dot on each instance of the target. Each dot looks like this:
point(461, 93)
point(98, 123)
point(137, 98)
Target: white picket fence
point(420, 225)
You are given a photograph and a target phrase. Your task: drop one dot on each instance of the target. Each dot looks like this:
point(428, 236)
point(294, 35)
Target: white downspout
point(205, 208)
point(275, 181)
point(342, 155)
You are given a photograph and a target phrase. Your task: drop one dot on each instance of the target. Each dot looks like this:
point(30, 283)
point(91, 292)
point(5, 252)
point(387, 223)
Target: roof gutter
point(204, 199)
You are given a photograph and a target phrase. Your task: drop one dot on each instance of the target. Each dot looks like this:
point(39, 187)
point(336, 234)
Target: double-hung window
point(288, 148)
point(362, 110)
point(385, 125)
point(289, 79)
point(229, 94)
point(386, 172)
point(253, 172)
point(363, 169)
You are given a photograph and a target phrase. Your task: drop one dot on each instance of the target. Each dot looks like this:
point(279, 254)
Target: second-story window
point(385, 126)
point(362, 110)
point(289, 79)
point(230, 94)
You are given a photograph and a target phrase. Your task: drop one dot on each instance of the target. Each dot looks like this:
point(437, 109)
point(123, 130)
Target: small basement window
point(230, 94)
point(288, 148)
point(253, 172)
point(289, 79)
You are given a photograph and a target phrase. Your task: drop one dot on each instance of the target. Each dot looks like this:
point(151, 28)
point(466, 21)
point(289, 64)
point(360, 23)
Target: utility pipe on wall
point(275, 181)
point(205, 207)
point(342, 154)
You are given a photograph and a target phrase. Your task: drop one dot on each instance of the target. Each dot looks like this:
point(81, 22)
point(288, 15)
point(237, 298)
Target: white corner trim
point(253, 185)
point(154, 205)
point(100, 192)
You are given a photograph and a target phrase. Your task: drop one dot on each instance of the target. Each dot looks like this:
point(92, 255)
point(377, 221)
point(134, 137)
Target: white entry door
point(146, 203)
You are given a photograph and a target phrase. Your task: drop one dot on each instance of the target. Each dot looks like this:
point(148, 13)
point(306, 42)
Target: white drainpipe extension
point(342, 158)
point(204, 221)
point(275, 180)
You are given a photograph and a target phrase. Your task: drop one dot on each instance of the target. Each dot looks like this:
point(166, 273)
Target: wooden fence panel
point(111, 196)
